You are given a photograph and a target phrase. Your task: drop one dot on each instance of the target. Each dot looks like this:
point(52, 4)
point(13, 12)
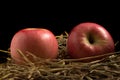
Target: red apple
point(40, 42)
point(89, 39)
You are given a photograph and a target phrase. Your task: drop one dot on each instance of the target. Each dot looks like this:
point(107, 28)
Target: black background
point(55, 19)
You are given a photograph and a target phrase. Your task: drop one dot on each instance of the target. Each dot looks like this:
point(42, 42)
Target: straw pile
point(62, 68)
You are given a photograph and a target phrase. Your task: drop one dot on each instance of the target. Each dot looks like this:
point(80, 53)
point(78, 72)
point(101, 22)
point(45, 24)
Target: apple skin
point(40, 42)
point(89, 39)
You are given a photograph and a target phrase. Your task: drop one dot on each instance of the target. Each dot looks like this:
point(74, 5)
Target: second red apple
point(89, 39)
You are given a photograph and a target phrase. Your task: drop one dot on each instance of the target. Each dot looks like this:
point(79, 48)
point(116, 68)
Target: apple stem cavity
point(91, 39)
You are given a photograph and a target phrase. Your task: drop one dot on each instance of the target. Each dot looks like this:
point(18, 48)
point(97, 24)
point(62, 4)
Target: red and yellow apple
point(40, 42)
point(89, 39)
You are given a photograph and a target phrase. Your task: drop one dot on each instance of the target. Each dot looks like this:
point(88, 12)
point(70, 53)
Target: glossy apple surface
point(40, 42)
point(89, 39)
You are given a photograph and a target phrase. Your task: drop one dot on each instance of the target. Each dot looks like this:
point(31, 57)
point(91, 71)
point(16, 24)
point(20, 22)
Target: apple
point(38, 41)
point(89, 39)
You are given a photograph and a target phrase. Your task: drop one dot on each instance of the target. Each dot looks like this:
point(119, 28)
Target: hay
point(62, 68)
